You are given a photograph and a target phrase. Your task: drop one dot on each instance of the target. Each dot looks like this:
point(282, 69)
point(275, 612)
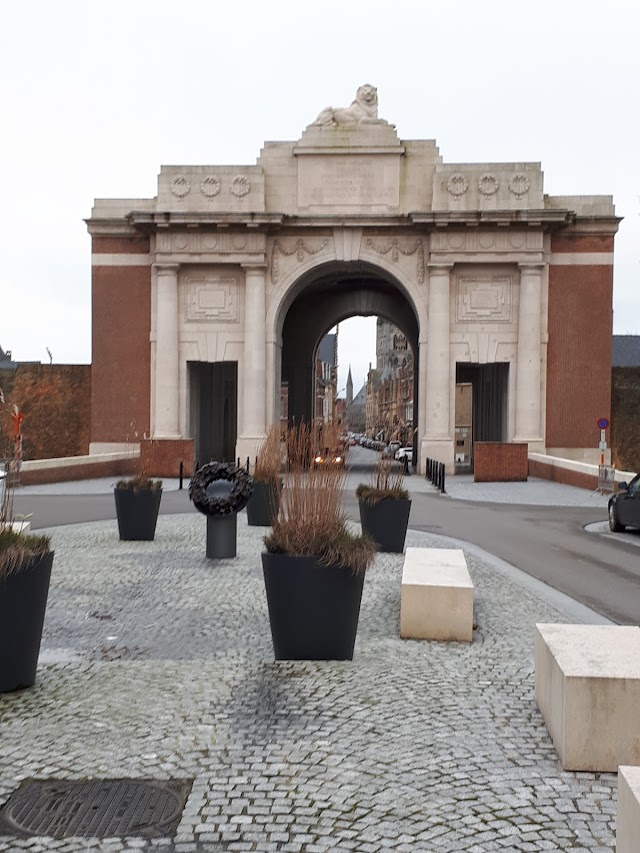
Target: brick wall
point(59, 474)
point(579, 348)
point(121, 358)
point(120, 245)
point(162, 457)
point(497, 462)
point(56, 402)
point(562, 475)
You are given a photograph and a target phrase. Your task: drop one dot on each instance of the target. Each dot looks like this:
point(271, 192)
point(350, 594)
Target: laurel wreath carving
point(300, 249)
point(394, 248)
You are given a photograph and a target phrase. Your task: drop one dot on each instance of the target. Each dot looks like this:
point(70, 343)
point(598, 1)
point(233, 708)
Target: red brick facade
point(120, 245)
point(580, 320)
point(497, 462)
point(121, 360)
point(162, 457)
point(582, 243)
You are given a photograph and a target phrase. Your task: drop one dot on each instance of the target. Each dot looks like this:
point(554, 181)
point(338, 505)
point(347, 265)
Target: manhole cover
point(100, 808)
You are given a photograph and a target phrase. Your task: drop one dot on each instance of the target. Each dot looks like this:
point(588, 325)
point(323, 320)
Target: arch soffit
point(290, 287)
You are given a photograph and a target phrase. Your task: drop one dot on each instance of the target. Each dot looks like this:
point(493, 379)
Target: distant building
point(394, 362)
point(6, 362)
point(625, 351)
point(349, 388)
point(356, 412)
point(326, 370)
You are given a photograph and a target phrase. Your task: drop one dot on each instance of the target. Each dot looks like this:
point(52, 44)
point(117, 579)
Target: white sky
point(94, 97)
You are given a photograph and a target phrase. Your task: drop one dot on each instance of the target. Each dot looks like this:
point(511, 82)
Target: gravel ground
point(157, 663)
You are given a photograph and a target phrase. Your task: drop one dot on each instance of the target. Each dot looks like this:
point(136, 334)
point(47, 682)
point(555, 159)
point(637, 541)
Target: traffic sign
point(603, 423)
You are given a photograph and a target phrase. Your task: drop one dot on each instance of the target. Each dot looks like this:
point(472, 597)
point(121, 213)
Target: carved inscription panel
point(484, 300)
point(212, 299)
point(349, 181)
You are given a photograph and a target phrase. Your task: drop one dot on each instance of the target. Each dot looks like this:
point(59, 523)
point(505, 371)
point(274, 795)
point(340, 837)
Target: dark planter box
point(23, 602)
point(137, 513)
point(263, 504)
point(313, 608)
point(386, 523)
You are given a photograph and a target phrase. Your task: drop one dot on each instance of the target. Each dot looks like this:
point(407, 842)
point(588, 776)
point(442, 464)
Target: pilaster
point(437, 442)
point(254, 379)
point(528, 365)
point(166, 409)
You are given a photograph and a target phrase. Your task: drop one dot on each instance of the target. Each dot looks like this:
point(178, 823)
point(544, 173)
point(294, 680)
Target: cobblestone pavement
point(158, 664)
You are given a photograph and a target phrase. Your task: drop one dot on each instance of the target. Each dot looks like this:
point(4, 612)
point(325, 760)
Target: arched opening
point(321, 299)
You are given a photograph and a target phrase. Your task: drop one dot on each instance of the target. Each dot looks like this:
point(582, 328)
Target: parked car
point(624, 507)
point(401, 452)
point(389, 451)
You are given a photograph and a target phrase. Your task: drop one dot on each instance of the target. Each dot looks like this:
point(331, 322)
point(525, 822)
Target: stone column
point(166, 410)
point(254, 375)
point(528, 403)
point(438, 441)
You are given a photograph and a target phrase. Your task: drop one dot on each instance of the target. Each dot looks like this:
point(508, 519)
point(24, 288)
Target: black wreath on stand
point(220, 488)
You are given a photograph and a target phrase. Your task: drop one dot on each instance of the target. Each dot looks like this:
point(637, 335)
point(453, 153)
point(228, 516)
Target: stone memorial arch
point(209, 295)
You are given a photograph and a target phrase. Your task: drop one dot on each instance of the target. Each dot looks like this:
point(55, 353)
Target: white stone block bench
point(628, 818)
point(436, 601)
point(587, 687)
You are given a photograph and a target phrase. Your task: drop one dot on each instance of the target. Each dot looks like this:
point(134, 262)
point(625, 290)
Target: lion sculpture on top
point(363, 109)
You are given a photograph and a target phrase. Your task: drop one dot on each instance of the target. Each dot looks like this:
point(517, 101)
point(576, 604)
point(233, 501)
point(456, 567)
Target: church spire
point(349, 389)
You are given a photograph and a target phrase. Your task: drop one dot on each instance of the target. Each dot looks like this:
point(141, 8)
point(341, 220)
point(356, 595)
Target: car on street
point(624, 507)
point(401, 452)
point(328, 457)
point(389, 450)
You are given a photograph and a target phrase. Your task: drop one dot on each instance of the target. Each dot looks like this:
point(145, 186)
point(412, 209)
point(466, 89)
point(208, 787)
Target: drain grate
point(99, 808)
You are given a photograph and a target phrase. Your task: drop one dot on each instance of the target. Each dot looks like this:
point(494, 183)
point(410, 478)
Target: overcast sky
point(96, 96)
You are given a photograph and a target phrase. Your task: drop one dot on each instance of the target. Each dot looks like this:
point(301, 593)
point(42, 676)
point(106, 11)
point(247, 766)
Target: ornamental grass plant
point(268, 460)
point(310, 521)
point(387, 483)
point(141, 481)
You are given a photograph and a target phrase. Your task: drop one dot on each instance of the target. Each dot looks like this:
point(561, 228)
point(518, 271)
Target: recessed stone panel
point(213, 299)
point(349, 181)
point(484, 300)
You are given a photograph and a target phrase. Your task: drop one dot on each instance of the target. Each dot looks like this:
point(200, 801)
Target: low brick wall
point(571, 473)
point(37, 473)
point(556, 474)
point(162, 457)
point(497, 462)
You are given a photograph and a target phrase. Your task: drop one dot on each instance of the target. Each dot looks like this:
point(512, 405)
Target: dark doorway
point(214, 409)
point(490, 389)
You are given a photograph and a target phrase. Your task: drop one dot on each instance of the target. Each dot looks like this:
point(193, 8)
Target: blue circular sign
point(603, 423)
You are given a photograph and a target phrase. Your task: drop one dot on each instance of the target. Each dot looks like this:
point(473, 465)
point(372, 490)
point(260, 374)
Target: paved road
point(549, 543)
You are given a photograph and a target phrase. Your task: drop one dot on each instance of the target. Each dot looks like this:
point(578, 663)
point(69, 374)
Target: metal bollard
point(247, 464)
point(181, 475)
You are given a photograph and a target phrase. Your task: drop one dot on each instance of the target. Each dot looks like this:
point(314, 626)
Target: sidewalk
point(532, 492)
point(157, 664)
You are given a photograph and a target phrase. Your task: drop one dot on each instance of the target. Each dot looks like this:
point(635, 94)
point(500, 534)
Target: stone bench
point(587, 687)
point(628, 818)
point(436, 601)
